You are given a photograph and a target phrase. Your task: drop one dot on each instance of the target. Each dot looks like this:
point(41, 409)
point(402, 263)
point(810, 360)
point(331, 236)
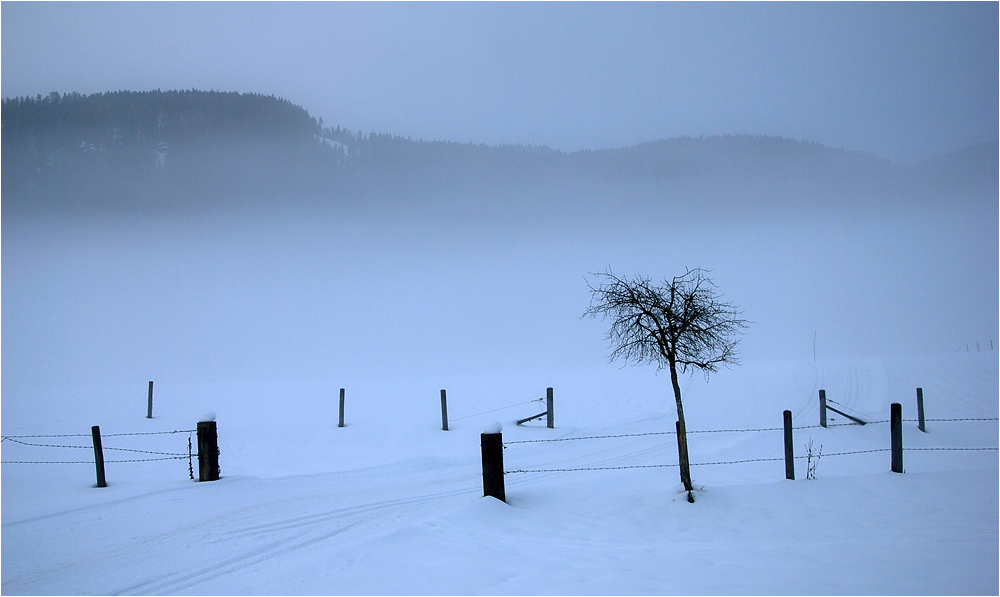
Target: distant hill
point(970, 170)
point(123, 149)
point(182, 150)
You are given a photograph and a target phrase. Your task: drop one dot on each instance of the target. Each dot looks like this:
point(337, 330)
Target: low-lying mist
point(471, 283)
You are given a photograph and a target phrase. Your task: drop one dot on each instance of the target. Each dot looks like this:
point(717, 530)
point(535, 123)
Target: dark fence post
point(549, 415)
point(341, 423)
point(149, 407)
point(444, 411)
point(789, 450)
point(98, 455)
point(682, 459)
point(920, 410)
point(492, 445)
point(822, 408)
point(208, 451)
point(896, 423)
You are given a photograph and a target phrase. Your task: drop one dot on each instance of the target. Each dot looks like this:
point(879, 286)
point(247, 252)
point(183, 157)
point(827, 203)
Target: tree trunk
point(682, 445)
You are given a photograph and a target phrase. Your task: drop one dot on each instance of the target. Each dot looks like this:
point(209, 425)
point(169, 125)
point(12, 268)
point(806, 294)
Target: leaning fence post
point(789, 450)
point(208, 450)
point(149, 407)
point(491, 441)
point(896, 424)
point(341, 423)
point(444, 411)
point(549, 415)
point(920, 410)
point(822, 408)
point(98, 455)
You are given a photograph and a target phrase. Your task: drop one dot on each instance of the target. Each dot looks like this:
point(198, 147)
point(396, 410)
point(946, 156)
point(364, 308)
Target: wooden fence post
point(208, 451)
point(896, 424)
point(149, 407)
point(822, 408)
point(920, 410)
point(491, 441)
point(684, 464)
point(341, 423)
point(98, 455)
point(549, 415)
point(444, 411)
point(789, 450)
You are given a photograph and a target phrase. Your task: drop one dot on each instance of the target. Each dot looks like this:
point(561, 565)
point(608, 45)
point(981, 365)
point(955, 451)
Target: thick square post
point(149, 405)
point(208, 451)
point(492, 446)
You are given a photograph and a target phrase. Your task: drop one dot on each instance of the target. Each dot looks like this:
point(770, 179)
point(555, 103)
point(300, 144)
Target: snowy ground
point(391, 504)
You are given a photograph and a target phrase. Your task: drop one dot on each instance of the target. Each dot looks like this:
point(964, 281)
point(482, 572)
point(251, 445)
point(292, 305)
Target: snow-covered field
point(391, 504)
point(263, 321)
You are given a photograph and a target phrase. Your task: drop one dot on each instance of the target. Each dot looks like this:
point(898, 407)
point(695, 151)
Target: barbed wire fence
point(496, 409)
point(731, 462)
point(159, 455)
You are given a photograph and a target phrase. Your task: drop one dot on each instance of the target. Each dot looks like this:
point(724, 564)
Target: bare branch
point(682, 321)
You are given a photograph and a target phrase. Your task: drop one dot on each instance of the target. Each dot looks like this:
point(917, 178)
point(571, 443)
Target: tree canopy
point(680, 322)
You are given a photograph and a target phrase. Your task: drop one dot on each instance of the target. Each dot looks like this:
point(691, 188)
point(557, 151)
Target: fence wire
point(151, 433)
point(6, 437)
point(728, 462)
point(635, 466)
point(89, 461)
point(496, 409)
point(45, 445)
point(748, 430)
point(162, 455)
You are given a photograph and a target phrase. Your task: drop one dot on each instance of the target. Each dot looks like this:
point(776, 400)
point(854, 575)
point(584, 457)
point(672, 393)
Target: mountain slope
point(195, 150)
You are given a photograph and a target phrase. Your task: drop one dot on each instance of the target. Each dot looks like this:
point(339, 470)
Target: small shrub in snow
point(812, 459)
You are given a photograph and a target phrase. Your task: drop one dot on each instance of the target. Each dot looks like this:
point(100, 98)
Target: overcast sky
point(901, 81)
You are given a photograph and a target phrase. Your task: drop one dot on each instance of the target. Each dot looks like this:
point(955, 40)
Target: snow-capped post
point(98, 455)
point(208, 449)
point(822, 408)
point(789, 450)
point(920, 410)
point(149, 407)
point(549, 415)
point(444, 411)
point(341, 423)
point(896, 424)
point(491, 441)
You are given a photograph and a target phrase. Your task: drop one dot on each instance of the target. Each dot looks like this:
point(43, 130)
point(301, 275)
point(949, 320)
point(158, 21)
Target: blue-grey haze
point(464, 283)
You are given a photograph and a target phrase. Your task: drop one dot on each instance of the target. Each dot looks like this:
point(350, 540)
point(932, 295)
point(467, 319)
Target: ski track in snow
point(286, 536)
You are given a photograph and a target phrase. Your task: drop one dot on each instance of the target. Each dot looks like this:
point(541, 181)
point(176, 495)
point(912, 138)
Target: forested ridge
point(197, 149)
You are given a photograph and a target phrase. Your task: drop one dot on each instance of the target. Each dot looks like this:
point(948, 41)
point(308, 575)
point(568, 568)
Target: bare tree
point(679, 324)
